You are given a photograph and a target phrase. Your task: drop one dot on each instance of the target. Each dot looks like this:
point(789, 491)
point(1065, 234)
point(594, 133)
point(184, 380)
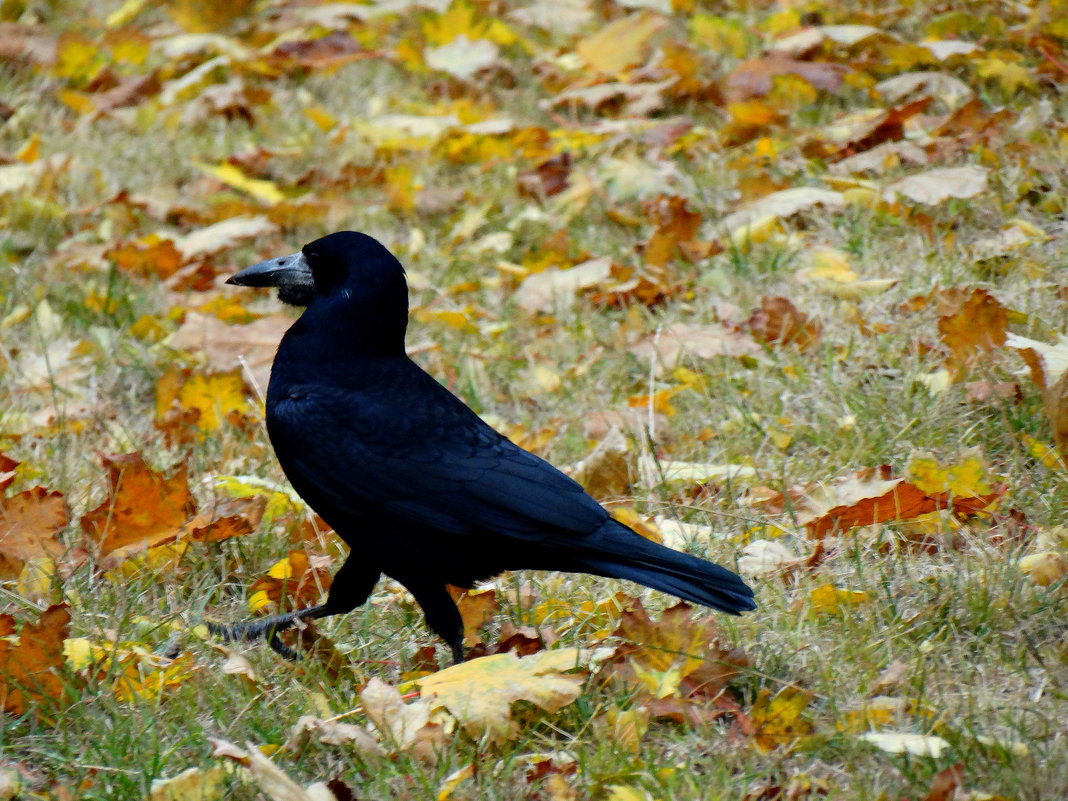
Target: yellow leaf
point(967, 478)
point(480, 693)
point(31, 151)
point(778, 720)
point(77, 58)
point(1009, 76)
point(77, 101)
point(213, 396)
point(232, 175)
point(660, 401)
point(1044, 568)
point(622, 43)
point(828, 599)
point(721, 34)
point(453, 780)
point(321, 117)
point(126, 13)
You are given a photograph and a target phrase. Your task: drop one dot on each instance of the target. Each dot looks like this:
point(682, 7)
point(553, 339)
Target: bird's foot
point(268, 627)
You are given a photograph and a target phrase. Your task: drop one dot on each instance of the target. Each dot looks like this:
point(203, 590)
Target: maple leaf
point(415, 727)
point(480, 693)
point(296, 582)
point(477, 608)
point(778, 721)
point(29, 526)
point(677, 655)
point(143, 508)
point(32, 669)
point(979, 326)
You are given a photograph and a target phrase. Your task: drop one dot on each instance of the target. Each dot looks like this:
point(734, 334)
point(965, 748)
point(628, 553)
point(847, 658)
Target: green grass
point(984, 647)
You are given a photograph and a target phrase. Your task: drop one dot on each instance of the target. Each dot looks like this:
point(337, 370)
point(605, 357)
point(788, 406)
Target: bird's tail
point(621, 553)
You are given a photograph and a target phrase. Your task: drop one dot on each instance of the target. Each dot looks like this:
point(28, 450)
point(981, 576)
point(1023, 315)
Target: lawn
point(782, 284)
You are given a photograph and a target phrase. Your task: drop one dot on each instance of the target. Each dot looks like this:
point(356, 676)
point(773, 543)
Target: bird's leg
point(269, 627)
point(441, 615)
point(351, 586)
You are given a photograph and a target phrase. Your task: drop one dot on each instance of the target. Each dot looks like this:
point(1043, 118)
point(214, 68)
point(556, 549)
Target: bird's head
point(350, 283)
point(346, 265)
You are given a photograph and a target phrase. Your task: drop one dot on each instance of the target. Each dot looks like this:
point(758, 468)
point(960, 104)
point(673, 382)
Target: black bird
point(416, 484)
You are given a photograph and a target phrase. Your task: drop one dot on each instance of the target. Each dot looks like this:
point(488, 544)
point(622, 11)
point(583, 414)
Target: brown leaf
point(327, 52)
point(228, 346)
point(477, 608)
point(945, 783)
point(29, 524)
point(980, 325)
point(143, 508)
point(7, 470)
point(753, 77)
point(129, 92)
point(547, 179)
point(778, 321)
point(296, 582)
point(676, 226)
point(31, 670)
point(679, 342)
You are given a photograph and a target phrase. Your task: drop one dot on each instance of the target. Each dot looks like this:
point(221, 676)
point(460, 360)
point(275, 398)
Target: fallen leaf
point(30, 523)
point(143, 508)
point(779, 206)
point(32, 669)
point(1045, 568)
point(620, 44)
point(906, 743)
point(936, 186)
point(480, 693)
point(541, 291)
point(778, 321)
point(778, 720)
point(945, 783)
point(678, 343)
point(979, 326)
point(251, 346)
point(477, 608)
point(404, 726)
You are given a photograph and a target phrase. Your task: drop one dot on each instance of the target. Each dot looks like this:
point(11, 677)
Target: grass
point(983, 646)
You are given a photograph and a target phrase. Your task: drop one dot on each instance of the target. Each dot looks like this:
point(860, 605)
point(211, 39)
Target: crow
point(417, 485)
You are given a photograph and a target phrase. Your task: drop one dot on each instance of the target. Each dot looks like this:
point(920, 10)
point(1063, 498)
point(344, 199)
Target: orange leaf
point(979, 325)
point(31, 670)
point(779, 321)
point(778, 720)
point(295, 582)
point(143, 508)
point(29, 523)
point(477, 608)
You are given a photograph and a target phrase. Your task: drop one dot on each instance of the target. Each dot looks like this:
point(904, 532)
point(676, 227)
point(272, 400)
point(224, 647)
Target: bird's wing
point(416, 454)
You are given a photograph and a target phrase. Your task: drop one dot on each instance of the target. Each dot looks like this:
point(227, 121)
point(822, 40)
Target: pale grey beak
point(291, 269)
point(291, 274)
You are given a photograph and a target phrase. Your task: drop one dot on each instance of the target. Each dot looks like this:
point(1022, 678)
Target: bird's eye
point(311, 257)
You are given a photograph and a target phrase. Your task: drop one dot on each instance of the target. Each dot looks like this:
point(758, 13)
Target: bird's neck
point(342, 330)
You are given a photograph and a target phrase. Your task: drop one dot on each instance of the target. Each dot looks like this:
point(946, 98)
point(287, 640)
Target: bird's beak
point(292, 270)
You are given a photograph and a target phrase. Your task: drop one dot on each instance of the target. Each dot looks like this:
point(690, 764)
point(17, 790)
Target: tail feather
point(621, 553)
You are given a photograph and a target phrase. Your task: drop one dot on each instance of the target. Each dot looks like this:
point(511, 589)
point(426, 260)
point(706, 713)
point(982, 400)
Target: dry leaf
point(980, 325)
point(480, 693)
point(778, 321)
point(143, 508)
point(935, 186)
point(778, 720)
point(620, 44)
point(405, 727)
point(32, 669)
point(30, 523)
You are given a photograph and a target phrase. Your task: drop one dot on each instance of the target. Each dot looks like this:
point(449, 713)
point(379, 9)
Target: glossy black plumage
point(417, 485)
